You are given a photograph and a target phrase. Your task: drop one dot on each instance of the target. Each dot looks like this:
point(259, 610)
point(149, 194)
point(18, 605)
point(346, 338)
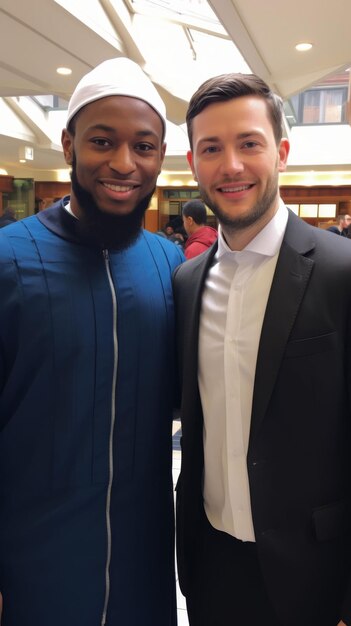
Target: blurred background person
point(40, 205)
point(342, 227)
point(200, 236)
point(7, 216)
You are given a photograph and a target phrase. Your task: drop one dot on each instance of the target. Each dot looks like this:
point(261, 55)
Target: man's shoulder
point(5, 221)
point(16, 229)
point(165, 250)
point(324, 237)
point(333, 229)
point(210, 230)
point(193, 268)
point(318, 243)
point(20, 239)
point(337, 248)
point(24, 228)
point(11, 237)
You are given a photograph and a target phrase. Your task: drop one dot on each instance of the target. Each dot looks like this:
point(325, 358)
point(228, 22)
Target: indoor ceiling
point(39, 36)
point(266, 33)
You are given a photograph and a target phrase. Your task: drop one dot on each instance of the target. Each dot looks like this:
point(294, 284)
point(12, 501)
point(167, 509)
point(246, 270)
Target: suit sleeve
point(346, 611)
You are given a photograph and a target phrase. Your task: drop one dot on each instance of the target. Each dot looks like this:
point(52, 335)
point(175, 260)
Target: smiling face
point(236, 161)
point(118, 148)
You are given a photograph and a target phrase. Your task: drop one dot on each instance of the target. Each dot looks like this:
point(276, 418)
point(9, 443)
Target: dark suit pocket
point(330, 521)
point(311, 345)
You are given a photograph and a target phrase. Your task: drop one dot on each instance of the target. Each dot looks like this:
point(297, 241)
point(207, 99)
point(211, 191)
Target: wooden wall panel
point(6, 183)
point(341, 196)
point(49, 190)
point(151, 220)
point(298, 195)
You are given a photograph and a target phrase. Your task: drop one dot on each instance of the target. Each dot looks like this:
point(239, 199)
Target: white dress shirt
point(69, 210)
point(233, 307)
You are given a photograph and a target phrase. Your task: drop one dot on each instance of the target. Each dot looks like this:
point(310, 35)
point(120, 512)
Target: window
point(50, 103)
point(308, 210)
point(314, 210)
point(185, 194)
point(327, 210)
point(318, 106)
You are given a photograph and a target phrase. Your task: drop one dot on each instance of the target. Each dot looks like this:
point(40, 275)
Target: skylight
point(189, 8)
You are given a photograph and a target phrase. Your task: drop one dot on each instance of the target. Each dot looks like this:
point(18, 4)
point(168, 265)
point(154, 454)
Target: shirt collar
point(67, 206)
point(267, 242)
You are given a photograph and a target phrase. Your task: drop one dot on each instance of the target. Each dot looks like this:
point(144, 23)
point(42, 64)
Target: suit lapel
point(194, 297)
point(290, 280)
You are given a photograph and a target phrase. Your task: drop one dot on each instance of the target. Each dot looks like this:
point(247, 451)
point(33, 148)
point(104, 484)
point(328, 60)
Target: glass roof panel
point(190, 8)
point(189, 55)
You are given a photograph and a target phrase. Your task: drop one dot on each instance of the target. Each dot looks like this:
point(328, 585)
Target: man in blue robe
point(86, 378)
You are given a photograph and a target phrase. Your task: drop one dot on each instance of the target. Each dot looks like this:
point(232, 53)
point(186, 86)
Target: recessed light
point(64, 71)
point(22, 160)
point(303, 47)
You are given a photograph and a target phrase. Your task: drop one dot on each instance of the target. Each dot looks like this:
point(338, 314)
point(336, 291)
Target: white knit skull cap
point(115, 77)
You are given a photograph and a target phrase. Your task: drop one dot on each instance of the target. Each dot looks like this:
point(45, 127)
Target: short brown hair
point(229, 86)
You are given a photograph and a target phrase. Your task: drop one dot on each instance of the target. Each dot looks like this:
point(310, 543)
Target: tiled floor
point(182, 614)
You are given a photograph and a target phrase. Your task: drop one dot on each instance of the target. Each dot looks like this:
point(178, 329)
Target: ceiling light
point(64, 71)
point(303, 47)
point(63, 175)
point(22, 160)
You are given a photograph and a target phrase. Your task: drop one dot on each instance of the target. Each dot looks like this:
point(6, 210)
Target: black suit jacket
point(299, 456)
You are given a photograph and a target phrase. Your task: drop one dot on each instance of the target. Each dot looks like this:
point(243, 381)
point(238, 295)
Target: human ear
point(283, 152)
point(189, 156)
point(67, 145)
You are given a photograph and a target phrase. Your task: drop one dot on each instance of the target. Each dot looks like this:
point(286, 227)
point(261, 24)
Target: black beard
point(116, 232)
point(244, 221)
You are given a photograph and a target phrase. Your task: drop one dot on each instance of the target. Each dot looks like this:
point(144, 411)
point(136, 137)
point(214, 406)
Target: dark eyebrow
point(208, 140)
point(104, 127)
point(252, 133)
point(246, 135)
point(109, 129)
point(255, 133)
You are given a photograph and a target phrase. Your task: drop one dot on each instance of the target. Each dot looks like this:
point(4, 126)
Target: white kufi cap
point(116, 77)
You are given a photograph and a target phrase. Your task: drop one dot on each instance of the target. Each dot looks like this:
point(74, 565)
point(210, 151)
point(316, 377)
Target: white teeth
point(118, 187)
point(233, 189)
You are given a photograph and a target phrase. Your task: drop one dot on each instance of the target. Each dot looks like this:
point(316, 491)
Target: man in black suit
point(264, 328)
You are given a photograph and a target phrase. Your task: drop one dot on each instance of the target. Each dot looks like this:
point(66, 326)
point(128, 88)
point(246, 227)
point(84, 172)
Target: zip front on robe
point(86, 437)
point(113, 419)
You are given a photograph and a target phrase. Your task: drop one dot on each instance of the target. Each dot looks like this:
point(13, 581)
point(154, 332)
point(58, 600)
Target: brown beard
point(244, 221)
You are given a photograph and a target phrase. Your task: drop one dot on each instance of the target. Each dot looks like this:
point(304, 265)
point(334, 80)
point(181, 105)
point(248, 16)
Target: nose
point(231, 161)
point(122, 160)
